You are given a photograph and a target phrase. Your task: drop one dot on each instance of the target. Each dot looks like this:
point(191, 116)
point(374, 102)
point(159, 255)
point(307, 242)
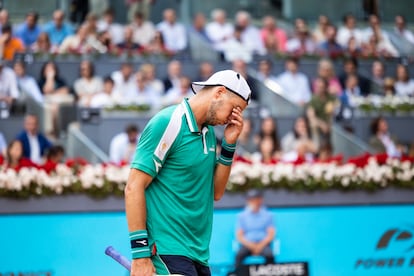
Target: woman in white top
point(88, 84)
point(404, 86)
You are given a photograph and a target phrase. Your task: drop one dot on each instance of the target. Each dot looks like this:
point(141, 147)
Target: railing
point(79, 145)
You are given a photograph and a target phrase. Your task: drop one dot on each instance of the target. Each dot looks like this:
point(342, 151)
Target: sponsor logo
point(396, 248)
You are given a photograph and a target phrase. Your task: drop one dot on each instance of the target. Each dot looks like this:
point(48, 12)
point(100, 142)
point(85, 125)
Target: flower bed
point(364, 172)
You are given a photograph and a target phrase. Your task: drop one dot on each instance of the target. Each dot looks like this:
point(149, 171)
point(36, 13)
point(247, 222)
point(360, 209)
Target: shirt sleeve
point(154, 146)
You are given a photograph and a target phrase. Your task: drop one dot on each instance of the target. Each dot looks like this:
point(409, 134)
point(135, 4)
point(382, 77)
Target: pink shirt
point(280, 36)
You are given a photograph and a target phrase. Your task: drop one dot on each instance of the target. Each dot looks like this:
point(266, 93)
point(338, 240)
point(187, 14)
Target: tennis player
point(176, 176)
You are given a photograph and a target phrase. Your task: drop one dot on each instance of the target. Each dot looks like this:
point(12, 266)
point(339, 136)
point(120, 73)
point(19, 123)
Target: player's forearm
point(135, 204)
point(221, 177)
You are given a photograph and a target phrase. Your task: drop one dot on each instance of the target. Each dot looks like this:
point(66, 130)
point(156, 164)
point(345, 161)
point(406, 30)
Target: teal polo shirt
point(181, 159)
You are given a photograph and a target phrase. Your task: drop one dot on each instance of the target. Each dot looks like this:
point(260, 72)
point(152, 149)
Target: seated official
point(255, 230)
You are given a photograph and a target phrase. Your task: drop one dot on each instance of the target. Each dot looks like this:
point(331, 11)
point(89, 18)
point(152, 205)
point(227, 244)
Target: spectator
point(199, 26)
point(4, 18)
point(246, 144)
point(174, 33)
point(29, 30)
point(173, 75)
point(350, 67)
point(326, 71)
point(43, 45)
point(388, 88)
point(14, 157)
point(54, 157)
point(296, 86)
point(400, 29)
point(250, 35)
point(122, 146)
point(141, 6)
point(330, 47)
point(352, 49)
point(347, 98)
point(378, 46)
point(125, 83)
point(319, 33)
point(325, 153)
point(377, 76)
point(379, 37)
point(3, 145)
point(255, 229)
point(265, 72)
point(58, 29)
point(128, 46)
point(157, 46)
point(176, 95)
point(235, 48)
point(274, 38)
point(382, 141)
point(404, 85)
point(26, 83)
point(144, 94)
point(240, 66)
point(268, 127)
point(104, 99)
point(349, 30)
point(55, 93)
point(107, 24)
point(9, 92)
point(35, 144)
point(149, 73)
point(82, 42)
point(88, 84)
point(205, 70)
point(301, 134)
point(143, 30)
point(321, 108)
point(219, 30)
point(301, 43)
point(268, 150)
point(9, 44)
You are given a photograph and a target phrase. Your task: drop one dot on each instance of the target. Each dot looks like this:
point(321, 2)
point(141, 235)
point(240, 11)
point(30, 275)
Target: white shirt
point(83, 86)
point(116, 31)
point(296, 87)
point(293, 45)
point(120, 149)
point(175, 96)
point(344, 34)
point(28, 85)
point(123, 89)
point(219, 34)
point(34, 149)
point(407, 34)
point(8, 83)
point(101, 100)
point(147, 96)
point(404, 88)
point(389, 145)
point(252, 39)
point(234, 50)
point(143, 34)
point(175, 36)
point(384, 44)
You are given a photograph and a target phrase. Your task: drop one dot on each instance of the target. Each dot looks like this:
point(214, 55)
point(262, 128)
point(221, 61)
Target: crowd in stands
point(239, 42)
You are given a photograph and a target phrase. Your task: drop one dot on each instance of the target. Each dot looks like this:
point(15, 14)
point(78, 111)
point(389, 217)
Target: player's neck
point(199, 108)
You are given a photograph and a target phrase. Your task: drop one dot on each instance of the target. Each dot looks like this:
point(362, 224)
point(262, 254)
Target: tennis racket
point(114, 254)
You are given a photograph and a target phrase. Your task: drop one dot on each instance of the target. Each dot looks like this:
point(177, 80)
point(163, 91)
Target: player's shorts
point(172, 264)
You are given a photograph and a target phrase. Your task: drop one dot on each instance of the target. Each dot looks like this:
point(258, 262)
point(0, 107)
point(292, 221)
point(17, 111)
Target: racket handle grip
point(110, 251)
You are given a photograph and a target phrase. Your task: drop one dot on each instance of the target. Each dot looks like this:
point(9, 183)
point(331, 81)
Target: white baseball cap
point(230, 79)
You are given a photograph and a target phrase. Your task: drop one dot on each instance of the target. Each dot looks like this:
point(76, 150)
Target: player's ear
point(219, 91)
